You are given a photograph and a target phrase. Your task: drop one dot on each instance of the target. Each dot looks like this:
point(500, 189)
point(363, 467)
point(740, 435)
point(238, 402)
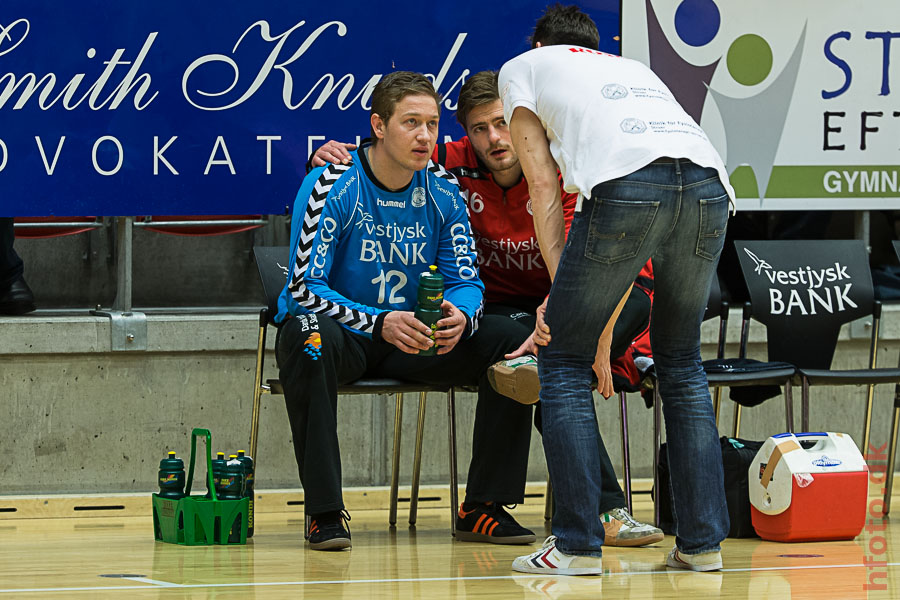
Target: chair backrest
point(273, 266)
point(51, 227)
point(714, 302)
point(803, 291)
point(201, 225)
point(716, 306)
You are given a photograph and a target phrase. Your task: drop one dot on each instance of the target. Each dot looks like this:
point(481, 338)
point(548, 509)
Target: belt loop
point(677, 166)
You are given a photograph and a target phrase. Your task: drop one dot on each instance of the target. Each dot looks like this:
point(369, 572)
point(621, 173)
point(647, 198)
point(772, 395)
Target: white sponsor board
point(801, 98)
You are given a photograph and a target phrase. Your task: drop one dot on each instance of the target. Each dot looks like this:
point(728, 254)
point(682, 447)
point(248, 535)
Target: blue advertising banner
point(130, 108)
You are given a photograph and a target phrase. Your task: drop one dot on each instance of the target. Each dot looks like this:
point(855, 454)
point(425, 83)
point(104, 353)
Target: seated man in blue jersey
point(361, 234)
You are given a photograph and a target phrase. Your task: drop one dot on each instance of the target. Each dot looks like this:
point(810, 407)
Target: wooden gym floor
point(116, 557)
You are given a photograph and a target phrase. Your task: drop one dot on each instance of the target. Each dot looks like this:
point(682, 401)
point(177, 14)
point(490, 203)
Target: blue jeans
point(675, 212)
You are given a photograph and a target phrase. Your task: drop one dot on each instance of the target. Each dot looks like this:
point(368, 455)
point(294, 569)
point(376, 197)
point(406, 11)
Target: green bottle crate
point(198, 520)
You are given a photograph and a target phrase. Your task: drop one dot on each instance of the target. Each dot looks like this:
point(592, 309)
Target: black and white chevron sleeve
point(318, 303)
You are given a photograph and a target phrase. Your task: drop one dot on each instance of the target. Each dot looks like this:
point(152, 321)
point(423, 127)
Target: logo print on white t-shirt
point(614, 91)
point(631, 125)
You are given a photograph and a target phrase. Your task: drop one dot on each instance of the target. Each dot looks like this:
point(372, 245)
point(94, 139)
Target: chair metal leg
point(257, 383)
point(870, 393)
point(454, 486)
point(892, 454)
point(626, 458)
point(804, 406)
point(736, 426)
point(395, 462)
point(417, 466)
point(657, 438)
point(789, 406)
point(867, 418)
point(548, 501)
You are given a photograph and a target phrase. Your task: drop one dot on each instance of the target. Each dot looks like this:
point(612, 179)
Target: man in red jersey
point(517, 282)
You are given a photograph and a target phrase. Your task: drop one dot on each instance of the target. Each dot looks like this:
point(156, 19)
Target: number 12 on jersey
point(384, 279)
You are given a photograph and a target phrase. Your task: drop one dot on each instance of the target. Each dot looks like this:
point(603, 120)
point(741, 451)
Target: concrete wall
point(79, 417)
point(79, 271)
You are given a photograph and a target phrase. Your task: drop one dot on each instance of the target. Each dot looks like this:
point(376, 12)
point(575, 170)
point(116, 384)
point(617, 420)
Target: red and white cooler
point(815, 493)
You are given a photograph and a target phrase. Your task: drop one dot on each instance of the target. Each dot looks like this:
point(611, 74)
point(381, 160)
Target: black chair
point(808, 290)
point(742, 372)
point(273, 265)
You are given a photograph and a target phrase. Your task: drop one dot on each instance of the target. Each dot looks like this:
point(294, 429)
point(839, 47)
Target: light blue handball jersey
point(358, 248)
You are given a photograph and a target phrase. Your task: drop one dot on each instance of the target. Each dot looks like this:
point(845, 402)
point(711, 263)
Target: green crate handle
point(190, 480)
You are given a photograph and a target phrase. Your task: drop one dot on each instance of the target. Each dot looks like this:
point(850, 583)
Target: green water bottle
point(248, 487)
point(171, 477)
point(218, 465)
point(428, 303)
point(230, 483)
point(230, 486)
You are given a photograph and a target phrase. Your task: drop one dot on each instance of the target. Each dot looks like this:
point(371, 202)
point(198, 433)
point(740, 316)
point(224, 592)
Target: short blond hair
point(394, 87)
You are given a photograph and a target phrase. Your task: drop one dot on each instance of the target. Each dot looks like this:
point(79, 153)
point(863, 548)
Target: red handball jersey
point(509, 258)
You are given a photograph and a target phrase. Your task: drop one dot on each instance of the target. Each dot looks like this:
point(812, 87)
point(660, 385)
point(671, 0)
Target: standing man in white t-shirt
point(650, 185)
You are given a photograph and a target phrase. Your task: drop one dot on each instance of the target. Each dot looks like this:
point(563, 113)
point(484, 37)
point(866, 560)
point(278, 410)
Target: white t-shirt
point(605, 116)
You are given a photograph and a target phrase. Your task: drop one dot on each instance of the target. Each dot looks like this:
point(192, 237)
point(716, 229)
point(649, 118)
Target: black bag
point(737, 454)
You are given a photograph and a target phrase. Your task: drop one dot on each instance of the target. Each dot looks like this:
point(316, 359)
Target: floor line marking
point(155, 582)
point(159, 583)
point(109, 588)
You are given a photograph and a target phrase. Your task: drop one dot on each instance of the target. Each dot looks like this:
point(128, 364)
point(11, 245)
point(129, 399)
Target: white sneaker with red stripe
point(708, 561)
point(552, 561)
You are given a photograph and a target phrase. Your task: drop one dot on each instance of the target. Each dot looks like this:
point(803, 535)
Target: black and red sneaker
point(489, 523)
point(329, 531)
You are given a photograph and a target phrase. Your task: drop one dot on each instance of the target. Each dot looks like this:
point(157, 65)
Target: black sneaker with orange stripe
point(329, 531)
point(489, 523)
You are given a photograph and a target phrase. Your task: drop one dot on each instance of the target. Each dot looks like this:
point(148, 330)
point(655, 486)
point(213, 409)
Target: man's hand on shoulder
point(402, 329)
point(333, 152)
point(450, 328)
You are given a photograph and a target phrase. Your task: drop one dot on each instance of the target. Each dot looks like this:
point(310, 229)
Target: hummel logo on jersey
point(393, 203)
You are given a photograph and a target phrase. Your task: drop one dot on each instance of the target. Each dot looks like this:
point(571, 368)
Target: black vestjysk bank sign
point(805, 289)
point(117, 108)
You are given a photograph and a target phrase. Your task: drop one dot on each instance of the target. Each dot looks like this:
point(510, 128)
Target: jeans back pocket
point(713, 221)
point(618, 228)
